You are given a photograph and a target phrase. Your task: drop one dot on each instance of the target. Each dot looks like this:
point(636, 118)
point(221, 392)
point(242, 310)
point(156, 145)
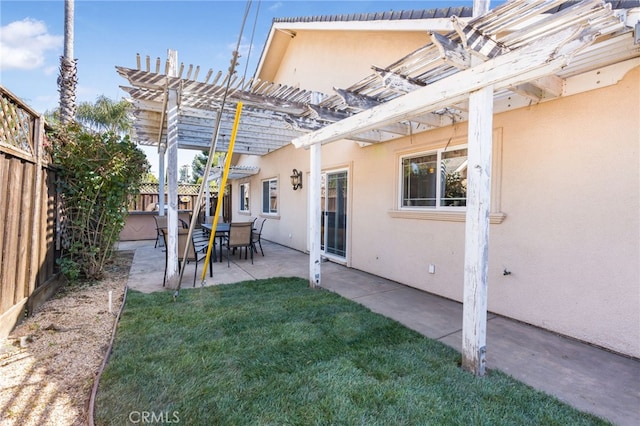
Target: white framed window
point(270, 196)
point(434, 179)
point(244, 197)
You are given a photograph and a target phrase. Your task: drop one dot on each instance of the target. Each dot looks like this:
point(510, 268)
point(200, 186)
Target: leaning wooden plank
point(453, 53)
point(302, 123)
point(396, 82)
point(328, 114)
point(513, 14)
point(581, 14)
point(356, 100)
point(477, 42)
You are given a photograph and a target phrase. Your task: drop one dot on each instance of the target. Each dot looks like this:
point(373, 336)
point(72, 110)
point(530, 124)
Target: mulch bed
point(48, 378)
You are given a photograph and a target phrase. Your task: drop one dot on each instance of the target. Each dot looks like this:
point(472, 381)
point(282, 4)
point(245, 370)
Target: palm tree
point(105, 115)
point(199, 163)
point(68, 72)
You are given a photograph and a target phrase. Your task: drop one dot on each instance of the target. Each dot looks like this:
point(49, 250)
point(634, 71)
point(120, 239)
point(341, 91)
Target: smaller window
point(270, 196)
point(244, 197)
point(435, 179)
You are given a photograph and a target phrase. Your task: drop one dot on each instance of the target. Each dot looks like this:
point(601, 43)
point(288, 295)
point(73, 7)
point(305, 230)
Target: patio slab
point(589, 378)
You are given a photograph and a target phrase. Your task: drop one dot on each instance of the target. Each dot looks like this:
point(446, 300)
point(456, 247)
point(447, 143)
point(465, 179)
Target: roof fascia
point(421, 25)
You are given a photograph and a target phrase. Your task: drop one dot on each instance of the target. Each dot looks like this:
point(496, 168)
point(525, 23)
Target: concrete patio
point(590, 379)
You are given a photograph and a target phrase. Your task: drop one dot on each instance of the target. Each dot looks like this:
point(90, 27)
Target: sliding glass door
point(334, 214)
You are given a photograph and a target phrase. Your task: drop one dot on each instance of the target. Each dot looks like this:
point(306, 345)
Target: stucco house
point(564, 248)
point(392, 119)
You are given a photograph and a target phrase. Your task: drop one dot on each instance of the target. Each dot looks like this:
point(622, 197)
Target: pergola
point(521, 53)
point(274, 114)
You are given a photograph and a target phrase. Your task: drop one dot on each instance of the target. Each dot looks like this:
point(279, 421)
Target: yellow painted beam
point(223, 184)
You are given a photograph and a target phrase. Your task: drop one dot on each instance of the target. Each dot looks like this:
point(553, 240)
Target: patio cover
point(275, 114)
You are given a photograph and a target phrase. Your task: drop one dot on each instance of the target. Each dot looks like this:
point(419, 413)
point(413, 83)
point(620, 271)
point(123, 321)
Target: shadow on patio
point(147, 270)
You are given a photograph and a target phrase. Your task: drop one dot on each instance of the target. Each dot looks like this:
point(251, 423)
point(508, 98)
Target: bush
point(98, 173)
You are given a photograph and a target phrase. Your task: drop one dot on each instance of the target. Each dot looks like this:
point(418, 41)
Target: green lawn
point(274, 352)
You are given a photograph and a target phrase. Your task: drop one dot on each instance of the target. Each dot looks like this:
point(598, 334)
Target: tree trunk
point(68, 79)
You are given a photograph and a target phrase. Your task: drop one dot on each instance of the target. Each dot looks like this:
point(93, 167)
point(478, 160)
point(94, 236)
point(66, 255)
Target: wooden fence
point(28, 213)
point(147, 200)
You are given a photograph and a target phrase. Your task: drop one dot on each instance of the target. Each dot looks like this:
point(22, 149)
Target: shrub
point(98, 172)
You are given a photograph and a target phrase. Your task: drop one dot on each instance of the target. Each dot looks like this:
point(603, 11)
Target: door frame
point(346, 260)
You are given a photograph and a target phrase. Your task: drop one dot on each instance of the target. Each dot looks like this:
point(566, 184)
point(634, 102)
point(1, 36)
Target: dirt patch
point(49, 362)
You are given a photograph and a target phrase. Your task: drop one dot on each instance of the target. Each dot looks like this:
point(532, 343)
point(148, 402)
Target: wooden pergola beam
point(516, 67)
point(356, 100)
point(396, 82)
point(452, 53)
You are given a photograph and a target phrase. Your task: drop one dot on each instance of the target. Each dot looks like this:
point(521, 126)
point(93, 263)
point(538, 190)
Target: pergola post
point(207, 198)
point(161, 173)
point(172, 176)
point(476, 247)
point(315, 261)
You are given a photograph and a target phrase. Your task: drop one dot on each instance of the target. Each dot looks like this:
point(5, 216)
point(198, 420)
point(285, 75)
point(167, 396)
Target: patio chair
point(257, 232)
point(161, 223)
point(197, 251)
point(239, 237)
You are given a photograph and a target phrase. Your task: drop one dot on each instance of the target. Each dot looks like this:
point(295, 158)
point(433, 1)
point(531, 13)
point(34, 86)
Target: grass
point(274, 352)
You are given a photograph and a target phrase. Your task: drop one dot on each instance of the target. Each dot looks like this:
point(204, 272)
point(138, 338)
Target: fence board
point(48, 230)
point(12, 224)
point(36, 224)
point(24, 231)
point(4, 205)
point(28, 211)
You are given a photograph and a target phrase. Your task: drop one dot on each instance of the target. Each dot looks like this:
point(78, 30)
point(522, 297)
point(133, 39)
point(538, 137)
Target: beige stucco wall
point(142, 225)
point(570, 189)
point(288, 226)
point(349, 54)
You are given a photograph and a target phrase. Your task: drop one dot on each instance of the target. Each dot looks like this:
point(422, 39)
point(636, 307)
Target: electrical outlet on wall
point(432, 268)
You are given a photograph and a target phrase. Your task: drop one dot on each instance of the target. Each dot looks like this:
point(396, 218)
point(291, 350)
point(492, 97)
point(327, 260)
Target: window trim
point(438, 197)
point(244, 188)
point(269, 213)
point(496, 216)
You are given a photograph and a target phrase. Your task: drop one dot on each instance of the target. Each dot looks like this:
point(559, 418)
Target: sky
point(109, 33)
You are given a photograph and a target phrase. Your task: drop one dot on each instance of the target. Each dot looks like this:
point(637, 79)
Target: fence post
point(38, 136)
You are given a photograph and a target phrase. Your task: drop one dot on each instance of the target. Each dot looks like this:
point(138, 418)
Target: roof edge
point(392, 15)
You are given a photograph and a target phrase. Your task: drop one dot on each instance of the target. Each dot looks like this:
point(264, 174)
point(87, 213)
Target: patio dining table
point(222, 230)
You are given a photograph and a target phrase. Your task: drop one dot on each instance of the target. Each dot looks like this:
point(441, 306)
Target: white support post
point(161, 174)
point(172, 177)
point(207, 196)
point(476, 257)
point(315, 261)
point(476, 244)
